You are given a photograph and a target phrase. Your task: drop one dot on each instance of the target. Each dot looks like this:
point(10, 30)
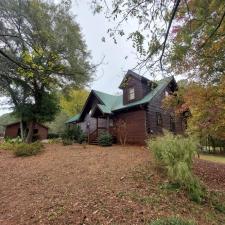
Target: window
point(159, 119)
point(131, 94)
point(35, 131)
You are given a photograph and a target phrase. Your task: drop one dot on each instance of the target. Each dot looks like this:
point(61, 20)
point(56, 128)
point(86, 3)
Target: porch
point(104, 123)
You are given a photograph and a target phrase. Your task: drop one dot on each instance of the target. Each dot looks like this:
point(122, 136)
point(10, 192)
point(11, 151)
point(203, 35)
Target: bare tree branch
point(175, 8)
point(214, 31)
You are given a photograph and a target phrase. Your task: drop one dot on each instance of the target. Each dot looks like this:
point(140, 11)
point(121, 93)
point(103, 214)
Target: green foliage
point(175, 154)
point(16, 140)
point(57, 126)
point(215, 200)
point(82, 138)
point(105, 139)
point(22, 149)
point(73, 134)
point(67, 141)
point(7, 119)
point(50, 55)
point(172, 221)
point(73, 102)
point(53, 135)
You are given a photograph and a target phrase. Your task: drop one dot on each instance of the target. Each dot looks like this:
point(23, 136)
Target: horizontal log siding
point(155, 106)
point(136, 130)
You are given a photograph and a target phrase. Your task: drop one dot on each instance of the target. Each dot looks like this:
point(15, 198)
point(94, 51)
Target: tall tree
point(73, 102)
point(177, 35)
point(41, 50)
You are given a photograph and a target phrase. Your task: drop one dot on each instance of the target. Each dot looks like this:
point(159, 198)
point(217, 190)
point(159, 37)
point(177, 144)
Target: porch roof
point(73, 119)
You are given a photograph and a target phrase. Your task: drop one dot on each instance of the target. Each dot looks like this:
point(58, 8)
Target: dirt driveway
point(70, 185)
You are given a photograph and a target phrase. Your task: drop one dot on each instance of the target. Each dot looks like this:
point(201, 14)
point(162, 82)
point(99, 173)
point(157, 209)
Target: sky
point(93, 27)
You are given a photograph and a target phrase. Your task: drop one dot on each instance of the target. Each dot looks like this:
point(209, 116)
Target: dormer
point(135, 87)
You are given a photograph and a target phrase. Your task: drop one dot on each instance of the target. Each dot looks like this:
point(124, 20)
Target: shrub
point(55, 141)
point(105, 139)
point(74, 133)
point(6, 146)
point(175, 154)
point(172, 221)
point(24, 149)
point(13, 140)
point(67, 142)
point(82, 138)
point(53, 136)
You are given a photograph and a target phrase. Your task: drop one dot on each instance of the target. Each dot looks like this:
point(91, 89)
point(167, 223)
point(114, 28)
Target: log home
point(139, 108)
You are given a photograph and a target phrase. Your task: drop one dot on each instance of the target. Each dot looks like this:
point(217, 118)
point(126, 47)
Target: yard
point(68, 185)
point(213, 158)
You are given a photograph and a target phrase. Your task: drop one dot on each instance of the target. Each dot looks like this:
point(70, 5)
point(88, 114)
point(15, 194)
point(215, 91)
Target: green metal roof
point(113, 103)
point(73, 119)
point(104, 109)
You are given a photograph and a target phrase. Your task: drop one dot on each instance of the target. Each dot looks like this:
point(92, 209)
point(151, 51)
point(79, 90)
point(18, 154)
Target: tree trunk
point(30, 132)
point(21, 130)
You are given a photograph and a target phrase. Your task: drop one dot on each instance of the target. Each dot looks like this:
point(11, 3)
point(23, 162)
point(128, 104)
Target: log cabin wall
point(136, 130)
point(140, 89)
point(12, 131)
point(167, 116)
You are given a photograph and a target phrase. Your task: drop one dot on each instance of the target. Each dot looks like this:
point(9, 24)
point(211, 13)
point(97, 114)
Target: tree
point(206, 105)
point(179, 36)
point(121, 130)
point(73, 102)
point(198, 45)
point(41, 51)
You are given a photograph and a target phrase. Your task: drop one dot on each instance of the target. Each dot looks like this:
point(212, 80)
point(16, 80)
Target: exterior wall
point(155, 106)
point(12, 131)
point(135, 120)
point(42, 131)
point(140, 89)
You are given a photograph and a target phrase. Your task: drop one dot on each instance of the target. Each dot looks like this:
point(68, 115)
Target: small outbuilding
point(40, 131)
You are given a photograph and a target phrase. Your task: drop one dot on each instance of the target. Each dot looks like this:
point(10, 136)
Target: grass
point(213, 158)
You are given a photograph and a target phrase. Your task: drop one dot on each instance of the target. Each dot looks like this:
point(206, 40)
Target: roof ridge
point(105, 93)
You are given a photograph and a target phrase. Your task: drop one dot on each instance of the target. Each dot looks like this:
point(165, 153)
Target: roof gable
point(136, 76)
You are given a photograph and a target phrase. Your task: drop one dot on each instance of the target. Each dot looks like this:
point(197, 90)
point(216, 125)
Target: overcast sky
point(94, 27)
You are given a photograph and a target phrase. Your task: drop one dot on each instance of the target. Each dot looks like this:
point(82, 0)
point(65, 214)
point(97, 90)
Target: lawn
point(213, 158)
point(68, 185)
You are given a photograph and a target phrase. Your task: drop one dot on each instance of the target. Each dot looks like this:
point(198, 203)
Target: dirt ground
point(70, 185)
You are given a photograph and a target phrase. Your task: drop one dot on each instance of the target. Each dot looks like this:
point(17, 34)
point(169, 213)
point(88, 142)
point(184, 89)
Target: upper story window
point(131, 94)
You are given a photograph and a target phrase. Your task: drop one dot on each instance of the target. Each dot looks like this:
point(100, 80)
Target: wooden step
point(94, 142)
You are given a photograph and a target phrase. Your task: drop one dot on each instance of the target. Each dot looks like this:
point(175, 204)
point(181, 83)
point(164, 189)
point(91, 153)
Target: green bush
point(82, 138)
point(53, 136)
point(172, 221)
point(6, 146)
point(105, 139)
point(13, 140)
point(67, 142)
point(74, 134)
point(175, 154)
point(24, 149)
